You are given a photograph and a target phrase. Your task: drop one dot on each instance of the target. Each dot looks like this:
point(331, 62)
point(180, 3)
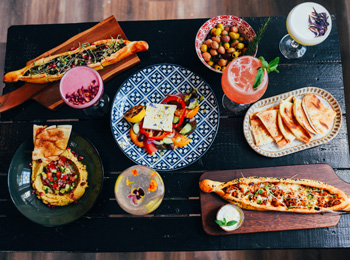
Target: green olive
point(226, 45)
point(217, 67)
point(218, 31)
point(240, 46)
point(220, 26)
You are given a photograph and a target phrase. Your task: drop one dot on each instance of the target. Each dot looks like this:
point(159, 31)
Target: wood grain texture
point(259, 221)
point(48, 94)
point(178, 183)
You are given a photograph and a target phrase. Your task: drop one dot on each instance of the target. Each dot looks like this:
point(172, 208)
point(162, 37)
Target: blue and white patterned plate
point(152, 84)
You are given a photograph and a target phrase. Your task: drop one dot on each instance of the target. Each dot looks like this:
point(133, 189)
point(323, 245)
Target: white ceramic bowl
point(227, 20)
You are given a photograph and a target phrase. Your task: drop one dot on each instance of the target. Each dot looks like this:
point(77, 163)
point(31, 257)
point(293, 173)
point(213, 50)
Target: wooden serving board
point(48, 94)
point(265, 221)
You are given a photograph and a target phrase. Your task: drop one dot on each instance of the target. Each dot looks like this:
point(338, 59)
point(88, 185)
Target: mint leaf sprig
point(224, 223)
point(272, 66)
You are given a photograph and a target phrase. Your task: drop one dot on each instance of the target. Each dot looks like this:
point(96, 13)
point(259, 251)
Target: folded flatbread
point(301, 117)
point(260, 133)
point(269, 119)
point(286, 111)
point(288, 135)
point(50, 142)
point(320, 117)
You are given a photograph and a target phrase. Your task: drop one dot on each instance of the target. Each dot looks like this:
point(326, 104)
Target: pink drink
point(76, 78)
point(238, 79)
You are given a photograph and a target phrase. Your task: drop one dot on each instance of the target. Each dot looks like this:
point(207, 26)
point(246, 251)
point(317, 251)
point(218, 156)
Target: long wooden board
point(265, 221)
point(48, 94)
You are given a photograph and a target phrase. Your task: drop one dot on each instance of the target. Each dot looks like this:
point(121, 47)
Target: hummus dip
point(60, 182)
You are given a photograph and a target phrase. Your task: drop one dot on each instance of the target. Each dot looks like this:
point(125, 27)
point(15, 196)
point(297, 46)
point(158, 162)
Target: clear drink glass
point(237, 83)
point(82, 88)
point(139, 190)
point(307, 24)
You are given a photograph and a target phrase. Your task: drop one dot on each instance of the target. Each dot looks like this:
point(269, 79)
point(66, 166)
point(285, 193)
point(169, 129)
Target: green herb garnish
point(260, 191)
point(256, 39)
point(224, 223)
point(272, 66)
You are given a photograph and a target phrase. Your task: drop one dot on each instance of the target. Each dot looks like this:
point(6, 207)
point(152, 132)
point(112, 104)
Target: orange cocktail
point(238, 79)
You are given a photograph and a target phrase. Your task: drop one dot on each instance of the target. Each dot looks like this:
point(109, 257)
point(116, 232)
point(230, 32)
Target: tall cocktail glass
point(237, 83)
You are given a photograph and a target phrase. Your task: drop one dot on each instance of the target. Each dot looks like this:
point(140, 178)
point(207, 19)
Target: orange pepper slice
point(134, 139)
point(191, 113)
point(180, 140)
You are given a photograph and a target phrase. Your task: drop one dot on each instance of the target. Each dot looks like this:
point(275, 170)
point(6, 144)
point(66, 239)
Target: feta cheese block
point(159, 117)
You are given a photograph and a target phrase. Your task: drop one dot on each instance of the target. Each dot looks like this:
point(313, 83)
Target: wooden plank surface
point(48, 94)
point(258, 221)
point(171, 232)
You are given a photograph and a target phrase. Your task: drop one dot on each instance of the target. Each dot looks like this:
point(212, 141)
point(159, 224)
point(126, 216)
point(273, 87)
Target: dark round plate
point(19, 176)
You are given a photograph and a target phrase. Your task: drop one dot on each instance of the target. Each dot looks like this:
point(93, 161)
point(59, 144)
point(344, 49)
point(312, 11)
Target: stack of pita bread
point(50, 142)
point(292, 119)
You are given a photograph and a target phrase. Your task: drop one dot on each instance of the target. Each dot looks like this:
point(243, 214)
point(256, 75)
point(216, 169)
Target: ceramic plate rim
point(28, 140)
point(173, 65)
point(296, 148)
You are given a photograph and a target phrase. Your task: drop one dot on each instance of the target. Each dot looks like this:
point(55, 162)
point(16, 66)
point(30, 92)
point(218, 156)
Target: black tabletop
point(176, 225)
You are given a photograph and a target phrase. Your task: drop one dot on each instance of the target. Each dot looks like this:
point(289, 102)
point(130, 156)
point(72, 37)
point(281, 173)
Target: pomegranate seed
point(75, 202)
point(49, 205)
point(53, 206)
point(83, 183)
point(80, 158)
point(33, 191)
point(40, 161)
point(53, 65)
point(30, 164)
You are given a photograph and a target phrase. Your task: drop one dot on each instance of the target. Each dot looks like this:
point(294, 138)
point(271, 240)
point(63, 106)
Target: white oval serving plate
point(272, 149)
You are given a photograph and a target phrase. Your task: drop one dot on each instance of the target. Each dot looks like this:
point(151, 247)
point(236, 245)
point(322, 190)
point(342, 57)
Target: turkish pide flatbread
point(320, 117)
point(279, 194)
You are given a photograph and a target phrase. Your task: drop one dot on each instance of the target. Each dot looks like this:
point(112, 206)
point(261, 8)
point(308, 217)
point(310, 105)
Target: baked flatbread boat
point(279, 194)
point(96, 55)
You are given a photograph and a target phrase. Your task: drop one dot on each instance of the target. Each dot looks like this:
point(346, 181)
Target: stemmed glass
point(82, 87)
point(237, 83)
point(307, 24)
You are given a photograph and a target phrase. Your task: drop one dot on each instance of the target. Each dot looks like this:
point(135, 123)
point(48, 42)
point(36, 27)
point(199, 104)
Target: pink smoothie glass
point(76, 78)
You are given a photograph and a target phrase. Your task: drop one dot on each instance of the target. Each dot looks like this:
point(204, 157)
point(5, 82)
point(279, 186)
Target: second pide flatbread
point(286, 111)
point(269, 119)
point(301, 117)
point(320, 117)
point(50, 142)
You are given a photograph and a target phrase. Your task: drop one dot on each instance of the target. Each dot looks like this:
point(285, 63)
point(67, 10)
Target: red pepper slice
point(147, 133)
point(149, 146)
point(183, 108)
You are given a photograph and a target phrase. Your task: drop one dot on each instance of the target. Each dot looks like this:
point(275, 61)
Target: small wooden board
point(49, 95)
point(265, 221)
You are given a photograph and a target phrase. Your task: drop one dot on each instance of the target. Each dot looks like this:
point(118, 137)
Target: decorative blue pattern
point(152, 84)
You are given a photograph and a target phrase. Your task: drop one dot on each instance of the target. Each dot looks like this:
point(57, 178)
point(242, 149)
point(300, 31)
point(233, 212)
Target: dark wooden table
point(176, 224)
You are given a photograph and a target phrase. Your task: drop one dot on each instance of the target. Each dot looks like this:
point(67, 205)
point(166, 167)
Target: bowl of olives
point(222, 39)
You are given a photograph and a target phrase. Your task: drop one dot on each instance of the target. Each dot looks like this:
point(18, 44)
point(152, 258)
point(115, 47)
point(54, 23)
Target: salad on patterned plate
point(164, 126)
